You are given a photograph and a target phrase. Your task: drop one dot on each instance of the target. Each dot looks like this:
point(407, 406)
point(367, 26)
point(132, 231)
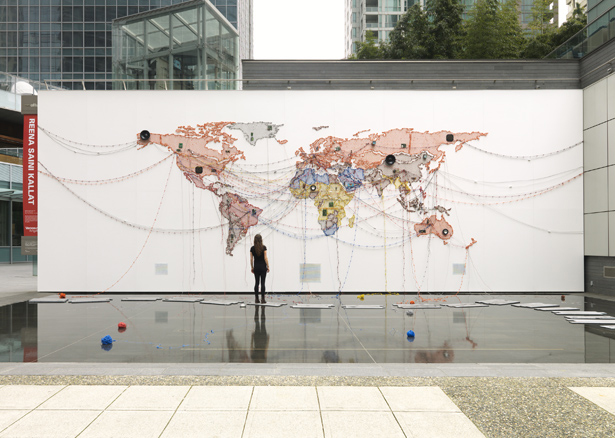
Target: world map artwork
point(329, 172)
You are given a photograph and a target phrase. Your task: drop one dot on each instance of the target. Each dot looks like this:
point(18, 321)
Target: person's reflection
point(235, 352)
point(260, 338)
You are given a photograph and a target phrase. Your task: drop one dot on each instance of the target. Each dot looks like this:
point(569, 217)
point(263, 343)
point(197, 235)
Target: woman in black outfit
point(260, 266)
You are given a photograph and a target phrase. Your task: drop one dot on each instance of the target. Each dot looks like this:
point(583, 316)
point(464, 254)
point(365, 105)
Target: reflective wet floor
point(185, 332)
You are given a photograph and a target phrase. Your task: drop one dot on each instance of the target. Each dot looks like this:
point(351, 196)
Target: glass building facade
point(11, 213)
point(69, 40)
point(228, 8)
point(192, 44)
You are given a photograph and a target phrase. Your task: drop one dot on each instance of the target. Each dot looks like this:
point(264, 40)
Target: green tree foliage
point(368, 49)
point(541, 44)
point(411, 38)
point(432, 33)
point(567, 30)
point(446, 27)
point(542, 14)
point(493, 31)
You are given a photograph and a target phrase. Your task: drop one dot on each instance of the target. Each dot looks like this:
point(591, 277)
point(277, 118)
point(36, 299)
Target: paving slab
point(50, 424)
point(603, 397)
point(8, 417)
point(424, 399)
point(84, 397)
point(351, 398)
point(217, 398)
point(283, 424)
point(284, 398)
point(150, 398)
point(361, 424)
point(26, 396)
point(206, 424)
point(142, 424)
point(437, 425)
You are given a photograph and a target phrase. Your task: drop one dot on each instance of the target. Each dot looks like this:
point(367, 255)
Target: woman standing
point(260, 266)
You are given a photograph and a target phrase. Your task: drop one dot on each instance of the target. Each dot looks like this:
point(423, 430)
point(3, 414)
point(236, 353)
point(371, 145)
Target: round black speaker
point(313, 188)
point(144, 135)
point(445, 232)
point(450, 137)
point(390, 160)
point(198, 169)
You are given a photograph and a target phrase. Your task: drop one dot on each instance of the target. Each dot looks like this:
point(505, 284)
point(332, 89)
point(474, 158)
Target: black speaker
point(449, 137)
point(198, 169)
point(390, 160)
point(144, 135)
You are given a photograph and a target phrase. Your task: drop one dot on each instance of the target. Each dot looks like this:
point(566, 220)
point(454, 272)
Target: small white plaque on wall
point(309, 272)
point(459, 269)
point(161, 269)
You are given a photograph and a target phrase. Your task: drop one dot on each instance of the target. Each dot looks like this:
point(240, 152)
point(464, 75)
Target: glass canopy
point(183, 47)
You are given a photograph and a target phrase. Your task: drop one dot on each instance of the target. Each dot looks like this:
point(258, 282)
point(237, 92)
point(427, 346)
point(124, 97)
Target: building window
point(17, 226)
point(4, 223)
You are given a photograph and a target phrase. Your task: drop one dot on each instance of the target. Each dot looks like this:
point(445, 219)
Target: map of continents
point(329, 173)
point(334, 168)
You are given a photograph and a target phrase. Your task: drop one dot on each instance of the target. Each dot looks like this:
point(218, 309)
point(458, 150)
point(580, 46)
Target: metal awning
point(11, 193)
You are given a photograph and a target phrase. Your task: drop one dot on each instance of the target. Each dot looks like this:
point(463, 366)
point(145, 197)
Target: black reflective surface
point(176, 332)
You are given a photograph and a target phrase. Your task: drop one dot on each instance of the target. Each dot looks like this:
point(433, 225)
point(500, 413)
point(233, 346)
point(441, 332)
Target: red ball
point(121, 325)
point(411, 302)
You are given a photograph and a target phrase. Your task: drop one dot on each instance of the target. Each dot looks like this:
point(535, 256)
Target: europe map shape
point(329, 173)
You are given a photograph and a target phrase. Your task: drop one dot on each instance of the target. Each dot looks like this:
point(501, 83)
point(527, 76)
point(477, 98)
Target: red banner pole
point(30, 175)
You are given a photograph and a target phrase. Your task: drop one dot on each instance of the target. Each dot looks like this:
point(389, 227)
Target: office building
point(185, 43)
point(70, 44)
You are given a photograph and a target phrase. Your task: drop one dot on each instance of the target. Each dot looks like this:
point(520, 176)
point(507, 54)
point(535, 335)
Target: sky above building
point(287, 29)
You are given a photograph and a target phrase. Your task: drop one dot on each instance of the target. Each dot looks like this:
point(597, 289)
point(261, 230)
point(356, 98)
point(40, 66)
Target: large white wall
point(96, 236)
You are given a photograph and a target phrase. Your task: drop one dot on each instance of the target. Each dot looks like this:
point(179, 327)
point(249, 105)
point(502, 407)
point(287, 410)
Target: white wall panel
point(609, 187)
point(596, 234)
point(611, 142)
point(595, 104)
point(611, 96)
point(612, 234)
point(595, 147)
point(595, 191)
point(517, 191)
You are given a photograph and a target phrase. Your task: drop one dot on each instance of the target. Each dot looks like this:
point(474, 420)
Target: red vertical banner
point(30, 175)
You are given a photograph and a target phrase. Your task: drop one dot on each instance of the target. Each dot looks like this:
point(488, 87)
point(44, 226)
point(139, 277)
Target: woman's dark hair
point(258, 245)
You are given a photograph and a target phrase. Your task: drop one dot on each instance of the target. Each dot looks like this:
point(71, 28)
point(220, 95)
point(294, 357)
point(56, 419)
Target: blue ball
point(107, 340)
point(410, 334)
